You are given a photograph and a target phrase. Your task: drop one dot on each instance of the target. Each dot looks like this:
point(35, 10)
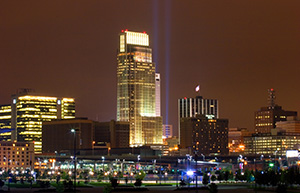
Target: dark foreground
point(160, 189)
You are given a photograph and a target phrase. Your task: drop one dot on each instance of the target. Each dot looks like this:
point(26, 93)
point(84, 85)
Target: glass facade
point(136, 89)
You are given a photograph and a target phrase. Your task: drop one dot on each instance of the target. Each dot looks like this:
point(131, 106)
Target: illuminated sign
point(136, 38)
point(292, 153)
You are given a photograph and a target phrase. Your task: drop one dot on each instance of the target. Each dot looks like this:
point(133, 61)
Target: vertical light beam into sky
point(155, 33)
point(167, 54)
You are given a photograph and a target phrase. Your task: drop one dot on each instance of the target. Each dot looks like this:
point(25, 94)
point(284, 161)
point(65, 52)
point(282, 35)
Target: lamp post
point(196, 160)
point(159, 168)
point(176, 164)
point(275, 162)
point(103, 158)
point(255, 164)
point(74, 131)
point(203, 156)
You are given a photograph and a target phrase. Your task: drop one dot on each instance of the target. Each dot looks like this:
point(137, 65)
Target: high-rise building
point(136, 89)
point(204, 135)
point(29, 110)
point(266, 117)
point(191, 107)
point(157, 95)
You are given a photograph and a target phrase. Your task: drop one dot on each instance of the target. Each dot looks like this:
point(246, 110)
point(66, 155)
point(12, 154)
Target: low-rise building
point(90, 134)
point(236, 140)
point(291, 125)
point(274, 143)
point(16, 155)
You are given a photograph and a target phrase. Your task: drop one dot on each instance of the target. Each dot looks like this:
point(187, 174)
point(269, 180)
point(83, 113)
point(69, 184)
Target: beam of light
point(155, 34)
point(167, 54)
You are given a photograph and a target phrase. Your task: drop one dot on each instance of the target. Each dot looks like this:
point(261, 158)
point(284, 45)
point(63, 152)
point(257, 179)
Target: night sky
point(235, 50)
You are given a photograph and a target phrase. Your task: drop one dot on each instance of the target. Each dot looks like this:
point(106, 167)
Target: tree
point(259, 177)
point(182, 183)
point(213, 177)
point(291, 175)
point(248, 176)
point(221, 176)
point(226, 176)
point(141, 175)
point(273, 177)
point(238, 175)
point(205, 179)
point(213, 188)
point(138, 182)
point(114, 182)
point(1, 183)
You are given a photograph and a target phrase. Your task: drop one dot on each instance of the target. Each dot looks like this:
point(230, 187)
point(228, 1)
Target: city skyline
point(234, 50)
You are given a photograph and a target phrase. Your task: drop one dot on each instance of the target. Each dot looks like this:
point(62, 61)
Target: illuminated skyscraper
point(136, 85)
point(28, 111)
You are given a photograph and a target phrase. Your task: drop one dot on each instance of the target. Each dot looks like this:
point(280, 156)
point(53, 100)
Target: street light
point(103, 158)
point(203, 156)
point(159, 168)
point(275, 161)
point(74, 131)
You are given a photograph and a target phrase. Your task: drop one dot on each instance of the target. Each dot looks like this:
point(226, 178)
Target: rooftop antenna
point(271, 98)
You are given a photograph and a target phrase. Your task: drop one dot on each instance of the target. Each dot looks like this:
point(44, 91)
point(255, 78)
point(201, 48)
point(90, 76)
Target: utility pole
point(196, 160)
point(74, 131)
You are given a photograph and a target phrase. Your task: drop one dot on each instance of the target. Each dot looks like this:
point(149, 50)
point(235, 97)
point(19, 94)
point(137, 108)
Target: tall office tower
point(266, 117)
point(136, 89)
point(5, 127)
point(157, 95)
point(28, 111)
point(203, 135)
point(190, 107)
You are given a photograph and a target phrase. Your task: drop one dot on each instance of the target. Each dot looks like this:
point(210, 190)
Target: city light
point(190, 173)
